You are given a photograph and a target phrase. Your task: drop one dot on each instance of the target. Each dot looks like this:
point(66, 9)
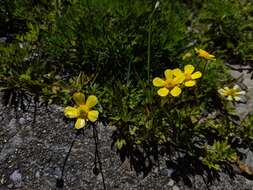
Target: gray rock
point(166, 172)
point(3, 39)
point(175, 187)
point(12, 126)
point(244, 109)
point(21, 121)
point(16, 178)
point(249, 159)
point(37, 174)
point(171, 182)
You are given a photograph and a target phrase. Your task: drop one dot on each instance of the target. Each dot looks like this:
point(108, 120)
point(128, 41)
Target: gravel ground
point(31, 158)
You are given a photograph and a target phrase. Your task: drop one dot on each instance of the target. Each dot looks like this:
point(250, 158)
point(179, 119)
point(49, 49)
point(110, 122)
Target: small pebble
point(37, 174)
point(171, 183)
point(175, 187)
point(16, 177)
point(21, 121)
point(166, 172)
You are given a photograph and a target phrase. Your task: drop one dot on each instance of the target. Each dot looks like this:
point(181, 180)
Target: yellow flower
point(190, 76)
point(204, 54)
point(231, 93)
point(82, 111)
point(171, 83)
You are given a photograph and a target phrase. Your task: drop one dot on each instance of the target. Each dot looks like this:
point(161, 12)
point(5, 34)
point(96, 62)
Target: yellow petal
point(176, 91)
point(168, 74)
point(71, 112)
point(163, 92)
point(179, 79)
point(158, 82)
point(177, 72)
point(79, 98)
point(93, 115)
point(80, 123)
point(91, 101)
point(190, 83)
point(240, 93)
point(222, 92)
point(204, 54)
point(229, 98)
point(197, 50)
point(196, 75)
point(188, 69)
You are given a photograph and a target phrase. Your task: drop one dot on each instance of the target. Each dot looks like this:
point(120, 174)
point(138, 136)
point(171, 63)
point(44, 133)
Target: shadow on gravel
point(181, 167)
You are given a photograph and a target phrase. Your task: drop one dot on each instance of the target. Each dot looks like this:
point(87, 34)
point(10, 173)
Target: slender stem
point(67, 156)
point(203, 72)
point(149, 48)
point(205, 68)
point(35, 110)
point(97, 156)
point(149, 42)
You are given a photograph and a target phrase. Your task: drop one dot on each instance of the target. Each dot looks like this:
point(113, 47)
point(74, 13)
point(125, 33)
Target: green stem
point(149, 43)
point(205, 68)
point(149, 48)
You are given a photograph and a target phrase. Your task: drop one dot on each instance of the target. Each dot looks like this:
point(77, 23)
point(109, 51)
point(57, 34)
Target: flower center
point(231, 92)
point(169, 84)
point(188, 77)
point(83, 111)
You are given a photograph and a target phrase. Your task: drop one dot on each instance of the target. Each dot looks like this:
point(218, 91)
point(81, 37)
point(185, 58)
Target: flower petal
point(240, 93)
point(179, 79)
point(229, 98)
point(168, 74)
point(222, 92)
point(79, 98)
point(188, 69)
point(93, 115)
point(71, 112)
point(190, 83)
point(196, 75)
point(91, 101)
point(197, 50)
point(163, 92)
point(237, 98)
point(177, 72)
point(176, 91)
point(204, 54)
point(80, 123)
point(158, 82)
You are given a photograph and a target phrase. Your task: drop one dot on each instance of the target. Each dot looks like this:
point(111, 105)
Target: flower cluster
point(173, 80)
point(82, 111)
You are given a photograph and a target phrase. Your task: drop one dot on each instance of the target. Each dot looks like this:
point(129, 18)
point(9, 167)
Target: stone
point(16, 178)
point(171, 182)
point(175, 187)
point(12, 125)
point(37, 174)
point(21, 121)
point(166, 172)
